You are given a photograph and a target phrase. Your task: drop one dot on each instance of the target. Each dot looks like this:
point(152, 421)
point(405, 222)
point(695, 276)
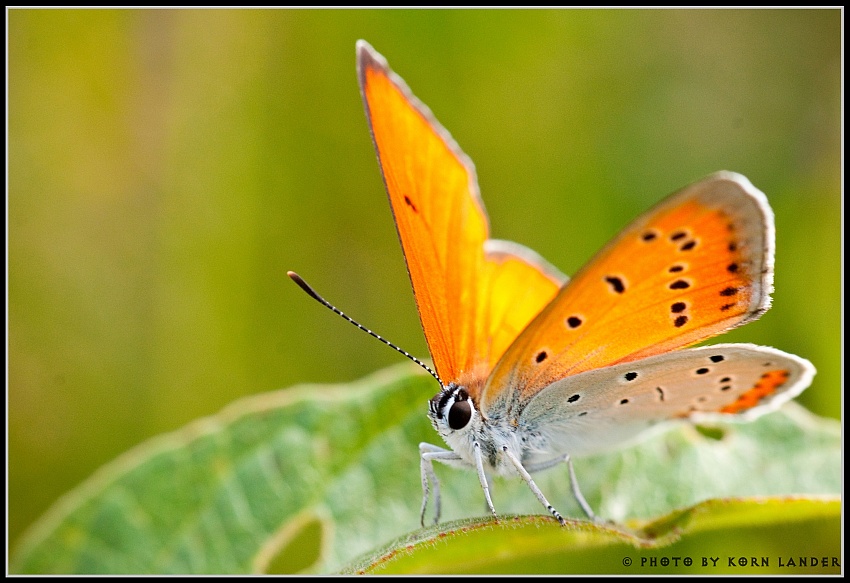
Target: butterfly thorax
point(456, 416)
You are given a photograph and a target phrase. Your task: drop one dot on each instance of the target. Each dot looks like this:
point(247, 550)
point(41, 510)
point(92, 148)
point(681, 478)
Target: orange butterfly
point(535, 369)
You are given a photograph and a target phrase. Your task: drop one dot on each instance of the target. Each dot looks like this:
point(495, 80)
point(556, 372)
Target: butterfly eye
point(459, 414)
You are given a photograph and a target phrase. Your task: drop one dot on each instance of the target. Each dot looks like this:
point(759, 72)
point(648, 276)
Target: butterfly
point(535, 368)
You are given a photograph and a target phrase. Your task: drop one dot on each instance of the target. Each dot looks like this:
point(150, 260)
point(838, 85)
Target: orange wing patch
point(472, 304)
point(694, 266)
point(769, 384)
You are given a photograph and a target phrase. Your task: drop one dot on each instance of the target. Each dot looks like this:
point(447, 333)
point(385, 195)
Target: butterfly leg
point(573, 483)
point(547, 464)
point(577, 492)
point(489, 487)
point(482, 477)
point(527, 477)
point(427, 454)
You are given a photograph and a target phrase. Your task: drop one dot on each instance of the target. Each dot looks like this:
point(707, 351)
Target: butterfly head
point(452, 409)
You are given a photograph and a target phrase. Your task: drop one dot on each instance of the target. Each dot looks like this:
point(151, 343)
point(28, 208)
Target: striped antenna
point(312, 293)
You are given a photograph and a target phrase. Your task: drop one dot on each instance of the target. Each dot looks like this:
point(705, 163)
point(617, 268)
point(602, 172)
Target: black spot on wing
point(616, 283)
point(409, 203)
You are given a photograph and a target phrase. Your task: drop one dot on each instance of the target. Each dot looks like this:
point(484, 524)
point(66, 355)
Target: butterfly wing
point(474, 295)
point(597, 409)
point(697, 264)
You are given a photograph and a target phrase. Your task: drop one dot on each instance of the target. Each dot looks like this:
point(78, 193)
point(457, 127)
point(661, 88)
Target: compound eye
point(459, 414)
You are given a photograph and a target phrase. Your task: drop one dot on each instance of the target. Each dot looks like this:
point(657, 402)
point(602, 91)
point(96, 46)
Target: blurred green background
point(166, 167)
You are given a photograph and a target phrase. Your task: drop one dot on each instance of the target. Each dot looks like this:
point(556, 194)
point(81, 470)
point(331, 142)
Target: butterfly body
point(535, 368)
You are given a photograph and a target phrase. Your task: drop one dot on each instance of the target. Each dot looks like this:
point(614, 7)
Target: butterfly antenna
point(312, 293)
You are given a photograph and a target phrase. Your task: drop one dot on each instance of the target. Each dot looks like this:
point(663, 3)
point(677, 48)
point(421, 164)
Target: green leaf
point(311, 477)
point(715, 537)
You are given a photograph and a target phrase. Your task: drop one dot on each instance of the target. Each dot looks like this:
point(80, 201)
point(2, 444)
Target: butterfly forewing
point(696, 265)
point(598, 409)
point(472, 303)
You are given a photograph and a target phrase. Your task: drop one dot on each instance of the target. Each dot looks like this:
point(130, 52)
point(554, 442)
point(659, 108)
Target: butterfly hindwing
point(697, 264)
point(597, 409)
point(474, 295)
